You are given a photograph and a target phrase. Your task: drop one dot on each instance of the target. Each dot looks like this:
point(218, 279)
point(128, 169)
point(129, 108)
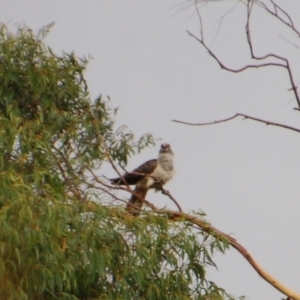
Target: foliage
point(58, 240)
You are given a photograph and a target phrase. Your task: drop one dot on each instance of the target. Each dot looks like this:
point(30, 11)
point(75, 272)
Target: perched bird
point(152, 174)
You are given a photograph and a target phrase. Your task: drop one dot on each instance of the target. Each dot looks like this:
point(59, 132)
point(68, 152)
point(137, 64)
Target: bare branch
point(167, 193)
point(240, 115)
point(245, 67)
point(200, 21)
point(274, 13)
point(285, 62)
point(288, 41)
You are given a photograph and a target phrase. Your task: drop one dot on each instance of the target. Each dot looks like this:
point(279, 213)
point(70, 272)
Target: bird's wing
point(133, 177)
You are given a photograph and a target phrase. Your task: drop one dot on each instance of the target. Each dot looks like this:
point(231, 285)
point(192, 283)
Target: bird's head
point(165, 148)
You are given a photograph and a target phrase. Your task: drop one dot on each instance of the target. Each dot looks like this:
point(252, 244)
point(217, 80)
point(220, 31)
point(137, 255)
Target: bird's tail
point(135, 203)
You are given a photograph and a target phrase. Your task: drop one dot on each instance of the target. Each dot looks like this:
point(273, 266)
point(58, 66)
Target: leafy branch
point(180, 216)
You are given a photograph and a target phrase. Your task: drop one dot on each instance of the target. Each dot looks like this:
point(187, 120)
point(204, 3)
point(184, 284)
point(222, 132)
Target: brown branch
point(243, 68)
point(263, 273)
point(206, 227)
point(240, 115)
point(255, 66)
point(167, 193)
point(163, 191)
point(274, 13)
point(285, 64)
point(176, 216)
point(200, 22)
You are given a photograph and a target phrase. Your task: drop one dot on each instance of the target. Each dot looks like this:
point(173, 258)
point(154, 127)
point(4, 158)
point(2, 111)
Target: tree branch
point(222, 65)
point(179, 216)
point(274, 13)
point(167, 193)
point(249, 4)
point(206, 227)
point(286, 64)
point(240, 115)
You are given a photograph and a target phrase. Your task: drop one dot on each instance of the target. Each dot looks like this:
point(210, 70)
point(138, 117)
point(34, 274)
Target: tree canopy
point(64, 233)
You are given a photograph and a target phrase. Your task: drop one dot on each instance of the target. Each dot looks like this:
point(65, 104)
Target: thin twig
point(123, 188)
point(200, 21)
point(167, 193)
point(274, 13)
point(243, 68)
point(240, 115)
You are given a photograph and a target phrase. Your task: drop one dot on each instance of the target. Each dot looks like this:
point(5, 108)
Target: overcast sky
point(244, 175)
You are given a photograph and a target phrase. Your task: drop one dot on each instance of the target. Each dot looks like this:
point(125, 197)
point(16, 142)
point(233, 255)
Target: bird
point(153, 174)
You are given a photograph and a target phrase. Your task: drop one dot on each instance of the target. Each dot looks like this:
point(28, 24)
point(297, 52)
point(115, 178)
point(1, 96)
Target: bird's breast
point(160, 174)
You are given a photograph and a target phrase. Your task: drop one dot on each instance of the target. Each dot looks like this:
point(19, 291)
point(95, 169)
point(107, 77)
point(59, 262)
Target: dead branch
point(245, 118)
point(274, 13)
point(222, 65)
point(284, 62)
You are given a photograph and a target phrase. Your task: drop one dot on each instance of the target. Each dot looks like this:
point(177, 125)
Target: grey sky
point(244, 175)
